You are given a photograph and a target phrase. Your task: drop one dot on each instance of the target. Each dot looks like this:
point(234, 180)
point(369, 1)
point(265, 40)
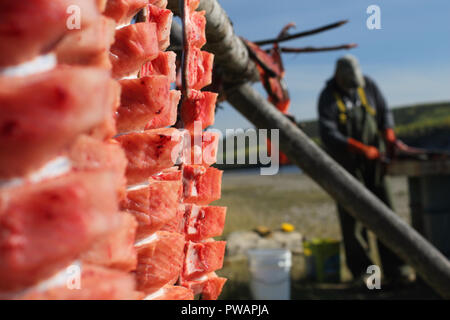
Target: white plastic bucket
point(270, 273)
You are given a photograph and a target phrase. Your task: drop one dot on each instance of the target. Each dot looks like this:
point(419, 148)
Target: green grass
point(418, 120)
point(254, 203)
point(421, 112)
point(414, 120)
point(255, 200)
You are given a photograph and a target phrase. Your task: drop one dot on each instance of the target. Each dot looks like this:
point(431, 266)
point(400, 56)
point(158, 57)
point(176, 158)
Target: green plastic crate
point(323, 260)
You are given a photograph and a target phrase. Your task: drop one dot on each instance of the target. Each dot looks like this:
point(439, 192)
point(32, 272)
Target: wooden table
point(429, 194)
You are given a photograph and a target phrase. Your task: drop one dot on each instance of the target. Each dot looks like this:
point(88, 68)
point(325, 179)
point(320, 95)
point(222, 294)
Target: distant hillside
point(410, 121)
point(418, 120)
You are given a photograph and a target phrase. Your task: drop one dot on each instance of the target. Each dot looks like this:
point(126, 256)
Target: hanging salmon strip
point(160, 259)
point(168, 115)
point(159, 3)
point(170, 292)
point(96, 283)
point(147, 103)
point(200, 65)
point(202, 258)
point(212, 288)
point(204, 67)
point(163, 64)
point(107, 128)
point(136, 201)
point(122, 11)
point(115, 250)
point(134, 45)
point(169, 174)
point(40, 115)
point(199, 107)
point(164, 200)
point(192, 5)
point(101, 5)
point(203, 222)
point(204, 152)
point(150, 152)
point(163, 20)
point(88, 153)
point(177, 223)
point(201, 185)
point(89, 46)
point(208, 286)
point(46, 225)
point(32, 28)
point(154, 205)
point(196, 29)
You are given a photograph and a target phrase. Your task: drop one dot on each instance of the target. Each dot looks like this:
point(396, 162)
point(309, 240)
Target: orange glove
point(369, 152)
point(389, 136)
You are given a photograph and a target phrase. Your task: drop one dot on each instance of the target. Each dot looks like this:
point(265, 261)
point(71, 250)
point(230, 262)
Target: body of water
point(257, 171)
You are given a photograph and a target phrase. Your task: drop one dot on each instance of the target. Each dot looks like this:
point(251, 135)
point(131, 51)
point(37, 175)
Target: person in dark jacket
point(356, 129)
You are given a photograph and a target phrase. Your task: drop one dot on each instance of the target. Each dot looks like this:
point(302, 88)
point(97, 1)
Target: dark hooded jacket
point(334, 136)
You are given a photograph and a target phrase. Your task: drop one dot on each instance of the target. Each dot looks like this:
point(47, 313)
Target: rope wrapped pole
point(432, 266)
point(230, 51)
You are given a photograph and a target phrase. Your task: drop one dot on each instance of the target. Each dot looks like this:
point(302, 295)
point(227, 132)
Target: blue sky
point(409, 57)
